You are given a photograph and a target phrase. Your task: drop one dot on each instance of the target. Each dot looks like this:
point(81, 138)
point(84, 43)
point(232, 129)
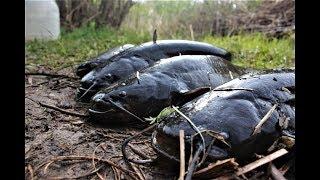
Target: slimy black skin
point(102, 59)
point(140, 57)
point(234, 115)
point(172, 81)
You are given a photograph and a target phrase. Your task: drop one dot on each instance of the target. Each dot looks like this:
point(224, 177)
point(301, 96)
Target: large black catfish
point(232, 110)
point(101, 59)
point(109, 69)
point(172, 81)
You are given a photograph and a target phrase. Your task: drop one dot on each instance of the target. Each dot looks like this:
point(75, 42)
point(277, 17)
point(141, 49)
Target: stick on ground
point(182, 155)
point(219, 168)
point(125, 143)
point(135, 169)
point(261, 161)
point(194, 127)
point(61, 158)
point(62, 110)
point(76, 177)
point(30, 169)
point(49, 75)
point(192, 166)
point(138, 152)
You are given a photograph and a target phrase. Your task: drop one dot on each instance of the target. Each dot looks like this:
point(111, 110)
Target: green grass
point(256, 50)
point(251, 50)
point(78, 46)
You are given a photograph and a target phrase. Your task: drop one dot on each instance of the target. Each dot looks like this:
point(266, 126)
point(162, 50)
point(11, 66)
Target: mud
point(49, 134)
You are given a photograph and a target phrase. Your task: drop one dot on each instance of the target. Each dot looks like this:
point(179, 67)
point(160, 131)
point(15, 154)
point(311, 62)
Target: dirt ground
point(60, 146)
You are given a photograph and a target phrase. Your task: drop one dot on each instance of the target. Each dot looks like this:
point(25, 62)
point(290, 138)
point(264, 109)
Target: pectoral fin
point(184, 96)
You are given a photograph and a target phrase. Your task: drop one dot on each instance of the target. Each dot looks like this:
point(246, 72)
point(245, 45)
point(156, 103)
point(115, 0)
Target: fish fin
point(154, 38)
point(182, 97)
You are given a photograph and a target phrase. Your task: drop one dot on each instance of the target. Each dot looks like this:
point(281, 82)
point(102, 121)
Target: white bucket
point(42, 20)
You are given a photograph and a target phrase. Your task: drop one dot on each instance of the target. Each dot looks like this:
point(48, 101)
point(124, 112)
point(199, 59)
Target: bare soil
point(50, 134)
point(61, 146)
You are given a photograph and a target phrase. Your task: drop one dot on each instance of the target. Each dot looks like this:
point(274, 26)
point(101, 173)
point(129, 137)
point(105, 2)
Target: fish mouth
point(92, 111)
point(83, 69)
point(108, 110)
point(101, 106)
point(84, 94)
point(102, 112)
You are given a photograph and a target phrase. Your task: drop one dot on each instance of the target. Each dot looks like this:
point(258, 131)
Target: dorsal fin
point(179, 98)
point(154, 36)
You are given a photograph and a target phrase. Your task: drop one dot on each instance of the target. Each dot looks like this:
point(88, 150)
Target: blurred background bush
point(259, 33)
point(181, 18)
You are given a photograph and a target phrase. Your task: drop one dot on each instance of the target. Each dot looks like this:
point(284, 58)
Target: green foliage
point(250, 50)
point(174, 19)
point(163, 114)
point(79, 45)
point(168, 17)
point(256, 50)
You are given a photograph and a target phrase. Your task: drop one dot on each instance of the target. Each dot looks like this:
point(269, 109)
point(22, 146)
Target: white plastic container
point(42, 20)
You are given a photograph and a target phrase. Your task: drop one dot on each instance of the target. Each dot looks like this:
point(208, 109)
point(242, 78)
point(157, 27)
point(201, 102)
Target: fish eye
point(122, 94)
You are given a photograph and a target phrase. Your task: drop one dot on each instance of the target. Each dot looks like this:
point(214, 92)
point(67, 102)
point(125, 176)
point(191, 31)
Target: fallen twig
point(94, 155)
point(192, 166)
point(125, 143)
point(46, 167)
point(30, 169)
point(261, 161)
point(61, 158)
point(139, 174)
point(182, 155)
point(118, 173)
point(100, 176)
point(141, 154)
point(38, 84)
point(115, 173)
point(257, 129)
point(63, 111)
point(194, 127)
point(218, 168)
point(76, 177)
point(49, 75)
point(140, 170)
